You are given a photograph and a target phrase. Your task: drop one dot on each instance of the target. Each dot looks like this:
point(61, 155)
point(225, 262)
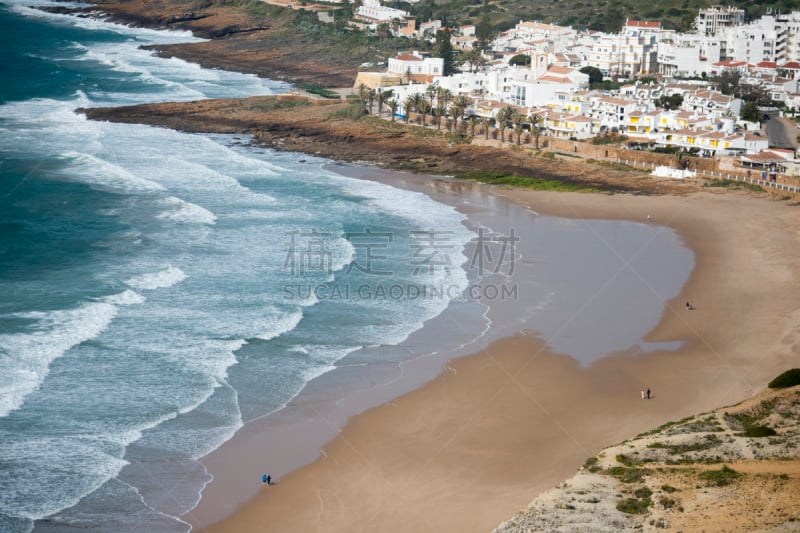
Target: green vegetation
point(633, 506)
point(667, 503)
point(722, 477)
point(709, 441)
point(790, 378)
point(627, 461)
point(520, 59)
point(759, 431)
point(733, 184)
point(539, 184)
point(625, 475)
point(668, 489)
point(643, 493)
point(751, 421)
point(271, 104)
point(609, 139)
point(591, 465)
point(353, 112)
point(319, 91)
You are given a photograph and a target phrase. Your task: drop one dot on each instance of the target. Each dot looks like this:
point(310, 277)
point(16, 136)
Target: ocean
point(159, 289)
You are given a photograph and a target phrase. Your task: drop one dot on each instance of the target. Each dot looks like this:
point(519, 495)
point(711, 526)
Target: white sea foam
point(280, 325)
point(166, 277)
point(127, 297)
point(182, 211)
point(26, 357)
point(108, 176)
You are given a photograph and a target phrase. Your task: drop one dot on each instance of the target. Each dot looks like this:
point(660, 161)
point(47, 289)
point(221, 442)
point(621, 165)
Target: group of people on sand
point(645, 394)
point(689, 306)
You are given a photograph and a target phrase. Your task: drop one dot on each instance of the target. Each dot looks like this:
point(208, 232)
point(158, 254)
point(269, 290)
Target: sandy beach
point(470, 448)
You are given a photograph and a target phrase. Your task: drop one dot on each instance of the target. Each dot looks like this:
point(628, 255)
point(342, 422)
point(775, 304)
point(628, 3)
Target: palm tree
point(518, 127)
point(362, 92)
point(370, 99)
point(439, 112)
point(412, 104)
point(472, 120)
point(444, 95)
point(536, 127)
point(423, 107)
point(431, 92)
point(485, 123)
point(459, 105)
point(382, 97)
point(504, 116)
point(393, 105)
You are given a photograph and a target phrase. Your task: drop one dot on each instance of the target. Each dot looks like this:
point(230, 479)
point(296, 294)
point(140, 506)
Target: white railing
point(723, 176)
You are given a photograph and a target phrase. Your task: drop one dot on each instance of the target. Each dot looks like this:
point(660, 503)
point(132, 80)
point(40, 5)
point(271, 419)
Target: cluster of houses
point(551, 85)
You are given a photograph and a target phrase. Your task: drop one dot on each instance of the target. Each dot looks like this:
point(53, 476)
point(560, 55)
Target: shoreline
point(352, 485)
point(322, 479)
point(295, 435)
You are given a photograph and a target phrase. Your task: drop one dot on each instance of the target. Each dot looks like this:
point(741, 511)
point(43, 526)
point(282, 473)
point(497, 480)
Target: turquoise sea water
point(154, 285)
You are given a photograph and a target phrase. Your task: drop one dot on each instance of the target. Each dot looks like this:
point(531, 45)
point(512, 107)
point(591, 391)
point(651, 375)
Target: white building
point(711, 20)
point(626, 54)
point(373, 13)
point(411, 66)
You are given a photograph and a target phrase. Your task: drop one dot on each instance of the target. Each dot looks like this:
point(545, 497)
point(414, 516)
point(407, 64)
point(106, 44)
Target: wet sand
point(465, 451)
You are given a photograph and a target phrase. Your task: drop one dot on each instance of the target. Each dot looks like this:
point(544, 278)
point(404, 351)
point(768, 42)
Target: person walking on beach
point(648, 394)
point(642, 394)
point(266, 479)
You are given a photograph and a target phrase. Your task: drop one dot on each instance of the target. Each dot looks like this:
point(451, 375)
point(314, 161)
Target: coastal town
point(710, 93)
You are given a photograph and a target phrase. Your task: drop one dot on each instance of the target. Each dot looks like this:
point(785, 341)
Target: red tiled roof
point(791, 65)
point(643, 24)
point(556, 79)
point(729, 63)
point(559, 70)
point(408, 57)
point(767, 64)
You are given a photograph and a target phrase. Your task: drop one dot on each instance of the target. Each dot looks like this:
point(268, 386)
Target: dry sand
point(468, 450)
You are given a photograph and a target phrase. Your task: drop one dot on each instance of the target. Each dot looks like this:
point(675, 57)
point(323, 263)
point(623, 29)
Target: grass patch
point(734, 185)
point(609, 139)
point(669, 489)
point(353, 112)
point(709, 441)
point(790, 378)
point(633, 506)
point(643, 493)
point(319, 91)
point(722, 477)
point(273, 104)
point(538, 184)
point(627, 461)
point(626, 475)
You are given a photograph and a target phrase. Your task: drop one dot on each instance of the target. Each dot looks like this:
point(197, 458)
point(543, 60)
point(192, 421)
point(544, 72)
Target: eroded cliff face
point(265, 43)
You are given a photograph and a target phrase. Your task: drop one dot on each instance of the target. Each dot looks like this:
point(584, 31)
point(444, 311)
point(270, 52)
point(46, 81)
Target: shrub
point(352, 112)
point(643, 493)
point(667, 503)
point(790, 378)
point(633, 506)
point(668, 488)
point(759, 431)
point(720, 478)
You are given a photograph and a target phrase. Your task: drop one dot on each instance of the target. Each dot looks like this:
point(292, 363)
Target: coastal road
point(781, 131)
